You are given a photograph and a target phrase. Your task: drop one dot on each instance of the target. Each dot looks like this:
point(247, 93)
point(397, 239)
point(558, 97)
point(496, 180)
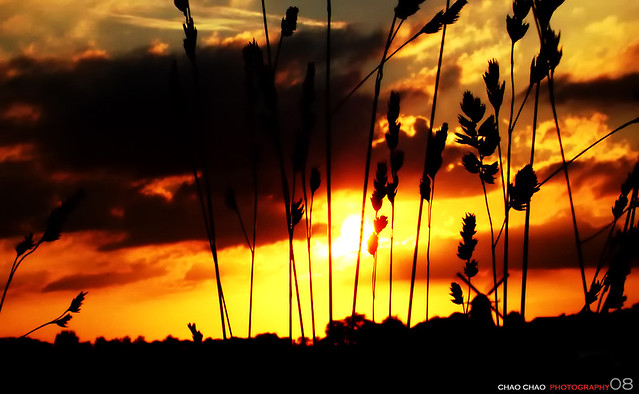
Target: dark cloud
point(110, 125)
point(137, 272)
point(603, 177)
point(602, 91)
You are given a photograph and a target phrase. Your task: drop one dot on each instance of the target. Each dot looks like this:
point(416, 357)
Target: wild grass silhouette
point(480, 132)
point(28, 246)
point(541, 345)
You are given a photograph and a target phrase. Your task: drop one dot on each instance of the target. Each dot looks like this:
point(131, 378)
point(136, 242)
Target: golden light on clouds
point(140, 253)
point(163, 187)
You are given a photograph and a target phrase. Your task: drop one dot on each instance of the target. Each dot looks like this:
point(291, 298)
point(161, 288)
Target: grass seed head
point(550, 50)
point(289, 22)
point(315, 179)
point(424, 187)
point(64, 321)
point(516, 28)
point(488, 172)
point(452, 14)
point(467, 245)
point(379, 185)
point(197, 335)
point(470, 269)
point(489, 137)
point(372, 244)
point(545, 10)
point(434, 25)
point(25, 244)
point(76, 303)
point(406, 8)
point(435, 149)
point(457, 293)
point(397, 161)
point(392, 115)
point(182, 5)
point(297, 212)
point(494, 88)
point(471, 163)
point(190, 40)
point(391, 189)
point(620, 206)
point(472, 107)
point(593, 292)
point(380, 223)
point(58, 217)
point(521, 8)
point(523, 189)
point(538, 69)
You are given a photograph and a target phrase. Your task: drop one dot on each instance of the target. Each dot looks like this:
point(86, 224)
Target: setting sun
point(346, 243)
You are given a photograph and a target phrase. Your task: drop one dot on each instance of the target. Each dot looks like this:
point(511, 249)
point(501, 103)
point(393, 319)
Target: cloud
point(138, 272)
point(602, 91)
point(109, 125)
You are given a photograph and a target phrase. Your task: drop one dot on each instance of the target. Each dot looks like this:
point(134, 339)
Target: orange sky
point(137, 245)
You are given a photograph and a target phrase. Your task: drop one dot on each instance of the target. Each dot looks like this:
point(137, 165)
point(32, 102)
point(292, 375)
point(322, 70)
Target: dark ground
point(445, 355)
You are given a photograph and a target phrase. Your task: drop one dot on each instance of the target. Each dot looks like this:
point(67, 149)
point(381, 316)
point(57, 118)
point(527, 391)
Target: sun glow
point(348, 239)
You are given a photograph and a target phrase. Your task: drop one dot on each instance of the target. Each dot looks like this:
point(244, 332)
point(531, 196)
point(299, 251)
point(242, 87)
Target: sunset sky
point(85, 104)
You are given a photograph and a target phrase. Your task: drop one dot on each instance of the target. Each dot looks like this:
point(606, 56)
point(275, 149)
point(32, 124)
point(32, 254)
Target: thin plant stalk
point(390, 269)
point(54, 321)
point(378, 82)
point(421, 200)
point(492, 244)
point(308, 219)
point(328, 121)
point(524, 267)
point(293, 272)
point(16, 263)
point(204, 193)
point(611, 133)
point(508, 161)
point(373, 284)
point(251, 246)
point(255, 203)
point(580, 256)
point(64, 318)
point(268, 42)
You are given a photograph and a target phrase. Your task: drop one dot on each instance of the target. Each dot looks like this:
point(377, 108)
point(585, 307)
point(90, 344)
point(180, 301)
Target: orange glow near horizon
point(156, 290)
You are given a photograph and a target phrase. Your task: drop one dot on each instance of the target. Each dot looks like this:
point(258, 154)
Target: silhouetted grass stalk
point(295, 216)
point(53, 231)
point(300, 160)
point(63, 319)
point(517, 29)
point(378, 82)
point(526, 247)
point(204, 192)
point(550, 45)
point(427, 185)
point(314, 184)
point(495, 91)
point(421, 200)
point(428, 141)
point(16, 263)
point(268, 41)
point(232, 204)
point(580, 256)
point(328, 126)
point(492, 245)
point(432, 27)
point(396, 157)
